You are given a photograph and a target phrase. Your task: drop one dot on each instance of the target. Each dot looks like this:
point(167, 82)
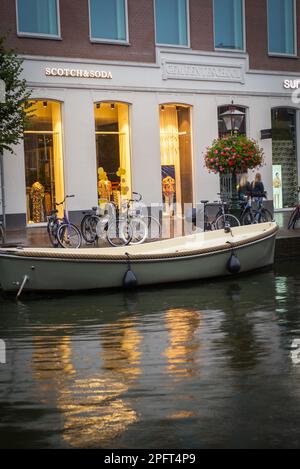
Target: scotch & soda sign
point(77, 73)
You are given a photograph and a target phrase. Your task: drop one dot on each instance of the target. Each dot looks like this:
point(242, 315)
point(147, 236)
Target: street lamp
point(233, 119)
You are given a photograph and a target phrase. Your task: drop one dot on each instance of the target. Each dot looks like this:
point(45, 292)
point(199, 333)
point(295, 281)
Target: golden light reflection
point(93, 408)
point(183, 344)
point(51, 360)
point(94, 412)
point(121, 353)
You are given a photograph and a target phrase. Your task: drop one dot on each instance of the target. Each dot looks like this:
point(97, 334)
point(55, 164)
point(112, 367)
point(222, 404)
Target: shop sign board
point(291, 84)
point(178, 70)
point(77, 73)
point(265, 134)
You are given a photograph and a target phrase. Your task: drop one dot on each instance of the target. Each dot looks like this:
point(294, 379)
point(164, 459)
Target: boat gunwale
point(140, 258)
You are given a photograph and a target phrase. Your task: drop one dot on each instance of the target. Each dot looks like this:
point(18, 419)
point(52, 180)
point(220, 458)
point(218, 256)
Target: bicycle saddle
point(95, 209)
point(204, 201)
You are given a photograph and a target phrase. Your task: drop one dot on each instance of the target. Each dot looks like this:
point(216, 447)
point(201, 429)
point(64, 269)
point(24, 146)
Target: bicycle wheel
point(119, 233)
point(293, 218)
point(263, 215)
point(154, 227)
point(2, 235)
point(88, 228)
point(226, 220)
point(139, 230)
point(69, 236)
point(247, 218)
point(52, 228)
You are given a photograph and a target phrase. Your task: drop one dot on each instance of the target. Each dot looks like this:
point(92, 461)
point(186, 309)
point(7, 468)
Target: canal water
point(208, 365)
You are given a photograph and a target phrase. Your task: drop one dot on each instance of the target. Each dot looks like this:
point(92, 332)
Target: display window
point(43, 160)
point(284, 155)
point(112, 151)
point(176, 157)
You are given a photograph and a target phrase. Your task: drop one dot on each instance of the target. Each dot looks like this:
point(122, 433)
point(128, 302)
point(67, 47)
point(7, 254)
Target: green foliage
point(13, 116)
point(235, 153)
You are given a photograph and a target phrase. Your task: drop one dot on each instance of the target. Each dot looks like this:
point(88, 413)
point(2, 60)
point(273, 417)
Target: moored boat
point(198, 256)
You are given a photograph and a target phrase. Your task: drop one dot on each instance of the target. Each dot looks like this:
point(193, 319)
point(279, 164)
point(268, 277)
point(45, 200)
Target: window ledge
point(283, 56)
point(110, 42)
point(235, 51)
point(39, 36)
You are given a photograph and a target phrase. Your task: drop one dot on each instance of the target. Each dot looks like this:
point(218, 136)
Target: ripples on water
point(193, 366)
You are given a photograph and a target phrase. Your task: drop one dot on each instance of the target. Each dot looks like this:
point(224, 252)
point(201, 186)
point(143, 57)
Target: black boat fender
point(129, 279)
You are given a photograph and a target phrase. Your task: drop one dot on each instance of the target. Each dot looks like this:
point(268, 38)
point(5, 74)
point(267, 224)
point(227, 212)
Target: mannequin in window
point(168, 185)
point(277, 190)
point(37, 194)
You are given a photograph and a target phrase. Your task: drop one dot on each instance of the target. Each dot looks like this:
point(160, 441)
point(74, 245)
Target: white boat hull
point(195, 257)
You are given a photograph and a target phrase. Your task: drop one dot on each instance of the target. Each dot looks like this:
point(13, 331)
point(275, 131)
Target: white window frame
point(40, 35)
point(110, 41)
point(180, 46)
point(226, 49)
point(281, 54)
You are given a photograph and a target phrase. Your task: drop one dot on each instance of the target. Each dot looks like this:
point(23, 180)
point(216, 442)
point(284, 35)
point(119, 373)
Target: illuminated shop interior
point(284, 155)
point(176, 157)
point(112, 151)
point(43, 160)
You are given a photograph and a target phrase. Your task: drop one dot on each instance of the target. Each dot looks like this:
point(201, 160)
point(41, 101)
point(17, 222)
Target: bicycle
point(2, 233)
point(250, 215)
point(109, 226)
point(222, 219)
point(61, 231)
point(131, 226)
point(135, 215)
point(295, 215)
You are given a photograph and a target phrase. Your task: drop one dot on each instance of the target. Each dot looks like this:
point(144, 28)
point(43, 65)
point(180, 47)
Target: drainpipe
point(2, 195)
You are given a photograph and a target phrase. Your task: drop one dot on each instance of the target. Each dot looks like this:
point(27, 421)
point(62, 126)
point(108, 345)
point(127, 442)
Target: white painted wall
point(14, 181)
point(144, 88)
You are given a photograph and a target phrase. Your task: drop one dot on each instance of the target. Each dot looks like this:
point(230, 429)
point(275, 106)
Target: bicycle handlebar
point(67, 197)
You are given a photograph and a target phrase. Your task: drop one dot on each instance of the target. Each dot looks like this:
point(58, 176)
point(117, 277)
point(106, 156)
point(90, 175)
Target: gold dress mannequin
point(37, 194)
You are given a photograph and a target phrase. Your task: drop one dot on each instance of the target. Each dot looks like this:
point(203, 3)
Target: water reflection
point(92, 407)
point(183, 327)
point(202, 365)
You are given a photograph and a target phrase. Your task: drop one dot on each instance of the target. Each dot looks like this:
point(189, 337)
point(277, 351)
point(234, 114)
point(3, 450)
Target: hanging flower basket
point(233, 154)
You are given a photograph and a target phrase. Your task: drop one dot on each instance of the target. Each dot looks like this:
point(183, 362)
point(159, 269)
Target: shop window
point(222, 129)
point(281, 26)
point(176, 157)
point(108, 20)
point(43, 160)
point(229, 24)
point(171, 22)
point(284, 156)
point(38, 17)
point(112, 151)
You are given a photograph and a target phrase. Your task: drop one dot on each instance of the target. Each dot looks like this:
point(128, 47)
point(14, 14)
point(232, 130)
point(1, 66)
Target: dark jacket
point(258, 189)
point(244, 191)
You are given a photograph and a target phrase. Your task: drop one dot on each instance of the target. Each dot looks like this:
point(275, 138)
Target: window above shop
point(38, 18)
point(171, 18)
point(282, 27)
point(108, 21)
point(229, 24)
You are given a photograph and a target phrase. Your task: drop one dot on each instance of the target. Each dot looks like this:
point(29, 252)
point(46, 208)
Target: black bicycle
point(222, 219)
point(61, 231)
point(258, 214)
point(107, 224)
point(295, 216)
point(2, 233)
